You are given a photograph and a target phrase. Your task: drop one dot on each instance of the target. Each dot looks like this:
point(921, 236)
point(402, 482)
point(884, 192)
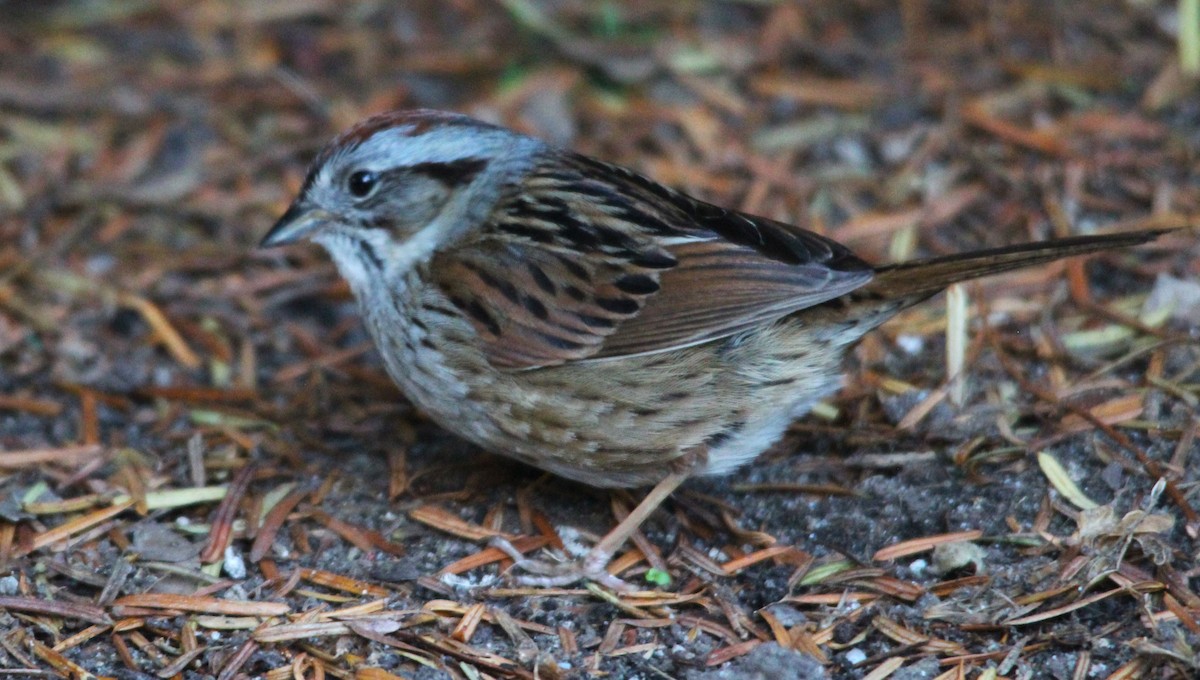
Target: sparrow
point(584, 319)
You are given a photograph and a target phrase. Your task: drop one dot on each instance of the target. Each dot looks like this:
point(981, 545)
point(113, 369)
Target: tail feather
point(898, 286)
point(922, 278)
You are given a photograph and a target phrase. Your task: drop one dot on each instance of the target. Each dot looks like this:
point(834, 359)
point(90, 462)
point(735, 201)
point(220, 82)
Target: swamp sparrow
point(586, 320)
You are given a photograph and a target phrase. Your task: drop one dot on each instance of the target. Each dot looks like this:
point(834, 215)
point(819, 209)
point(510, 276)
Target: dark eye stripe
point(451, 173)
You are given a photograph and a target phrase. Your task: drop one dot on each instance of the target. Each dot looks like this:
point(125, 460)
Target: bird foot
point(547, 574)
point(591, 567)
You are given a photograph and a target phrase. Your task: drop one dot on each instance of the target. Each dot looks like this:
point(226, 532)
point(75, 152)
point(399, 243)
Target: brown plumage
point(584, 319)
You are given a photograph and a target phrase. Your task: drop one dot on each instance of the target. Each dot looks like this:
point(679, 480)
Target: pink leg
point(592, 566)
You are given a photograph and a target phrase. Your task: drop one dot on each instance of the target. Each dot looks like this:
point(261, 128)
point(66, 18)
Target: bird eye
point(362, 183)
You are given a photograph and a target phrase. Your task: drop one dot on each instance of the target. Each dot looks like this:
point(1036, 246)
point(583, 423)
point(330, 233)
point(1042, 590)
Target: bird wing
point(585, 260)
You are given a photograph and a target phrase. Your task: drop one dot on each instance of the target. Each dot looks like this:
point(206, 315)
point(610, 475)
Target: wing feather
point(585, 260)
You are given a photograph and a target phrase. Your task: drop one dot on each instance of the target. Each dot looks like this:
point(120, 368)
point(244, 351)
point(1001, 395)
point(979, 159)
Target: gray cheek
point(423, 205)
point(406, 213)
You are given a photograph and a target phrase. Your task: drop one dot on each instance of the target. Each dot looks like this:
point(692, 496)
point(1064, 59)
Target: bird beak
point(295, 224)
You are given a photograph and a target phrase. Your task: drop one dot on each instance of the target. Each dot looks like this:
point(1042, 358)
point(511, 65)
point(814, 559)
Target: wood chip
point(79, 524)
point(33, 458)
point(926, 543)
point(67, 610)
point(222, 519)
point(170, 338)
point(464, 630)
point(735, 566)
point(203, 605)
point(343, 583)
point(1062, 482)
point(1065, 609)
point(443, 520)
point(273, 522)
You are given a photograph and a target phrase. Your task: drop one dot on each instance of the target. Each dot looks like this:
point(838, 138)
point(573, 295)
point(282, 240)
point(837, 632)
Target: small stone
point(234, 565)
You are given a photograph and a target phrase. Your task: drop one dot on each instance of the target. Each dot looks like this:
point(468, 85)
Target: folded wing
point(590, 261)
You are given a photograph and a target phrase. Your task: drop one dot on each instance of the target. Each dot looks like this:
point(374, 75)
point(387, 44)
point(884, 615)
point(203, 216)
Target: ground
point(205, 473)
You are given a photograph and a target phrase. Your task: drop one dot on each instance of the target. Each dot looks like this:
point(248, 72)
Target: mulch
point(204, 472)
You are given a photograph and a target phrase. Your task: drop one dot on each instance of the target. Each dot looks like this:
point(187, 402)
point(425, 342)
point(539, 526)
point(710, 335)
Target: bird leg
point(592, 565)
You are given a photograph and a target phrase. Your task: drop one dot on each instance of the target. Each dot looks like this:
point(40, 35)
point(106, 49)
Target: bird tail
point(899, 286)
point(920, 279)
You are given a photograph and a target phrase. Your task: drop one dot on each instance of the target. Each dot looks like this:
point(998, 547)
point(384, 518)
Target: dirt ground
point(204, 471)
